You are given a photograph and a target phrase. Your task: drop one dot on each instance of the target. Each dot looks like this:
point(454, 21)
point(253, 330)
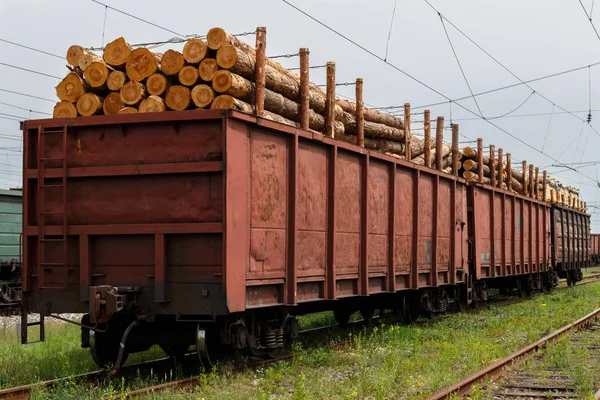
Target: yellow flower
point(543, 305)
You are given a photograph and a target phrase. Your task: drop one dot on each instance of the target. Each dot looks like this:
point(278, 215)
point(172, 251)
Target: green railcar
point(11, 225)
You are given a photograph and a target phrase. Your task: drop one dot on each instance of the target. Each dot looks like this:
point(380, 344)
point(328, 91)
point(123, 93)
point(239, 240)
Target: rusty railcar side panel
point(205, 213)
point(594, 247)
point(571, 238)
point(510, 233)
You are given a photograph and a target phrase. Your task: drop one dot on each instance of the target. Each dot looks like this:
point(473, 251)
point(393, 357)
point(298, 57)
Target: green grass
point(392, 361)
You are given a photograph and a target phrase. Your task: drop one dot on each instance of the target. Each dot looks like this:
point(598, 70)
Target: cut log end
point(157, 84)
point(152, 104)
point(132, 93)
point(86, 59)
point(178, 97)
point(116, 79)
point(71, 88)
point(128, 110)
point(188, 76)
point(73, 55)
point(202, 95)
point(89, 104)
point(207, 69)
point(222, 81)
point(64, 109)
point(141, 63)
point(194, 51)
point(172, 62)
point(96, 74)
point(216, 38)
point(112, 103)
point(227, 56)
point(116, 52)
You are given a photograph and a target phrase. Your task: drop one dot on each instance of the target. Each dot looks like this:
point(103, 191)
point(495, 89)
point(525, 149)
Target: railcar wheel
point(207, 346)
point(104, 347)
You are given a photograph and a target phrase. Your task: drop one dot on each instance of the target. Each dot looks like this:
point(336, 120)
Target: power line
point(529, 115)
point(423, 83)
point(13, 116)
point(31, 48)
point(387, 43)
point(515, 109)
point(27, 95)
point(462, 71)
point(548, 128)
point(139, 19)
point(24, 109)
point(589, 17)
point(30, 70)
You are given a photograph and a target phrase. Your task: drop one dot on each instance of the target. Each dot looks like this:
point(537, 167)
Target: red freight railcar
point(510, 235)
point(595, 248)
point(211, 225)
point(571, 238)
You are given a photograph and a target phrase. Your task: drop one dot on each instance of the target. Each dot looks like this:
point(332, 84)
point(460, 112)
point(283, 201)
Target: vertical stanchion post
point(455, 149)
point(427, 138)
point(500, 168)
point(330, 99)
point(531, 194)
point(304, 81)
point(493, 165)
point(552, 196)
point(585, 206)
point(439, 141)
point(360, 113)
point(544, 176)
point(407, 149)
point(525, 186)
point(480, 160)
point(536, 186)
point(508, 173)
point(562, 199)
point(259, 80)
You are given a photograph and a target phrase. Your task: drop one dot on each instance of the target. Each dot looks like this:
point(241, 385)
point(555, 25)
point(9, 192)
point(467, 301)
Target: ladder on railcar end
point(43, 238)
point(25, 324)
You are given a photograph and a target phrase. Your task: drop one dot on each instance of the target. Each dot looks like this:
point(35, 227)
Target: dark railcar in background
point(11, 206)
point(595, 248)
point(571, 242)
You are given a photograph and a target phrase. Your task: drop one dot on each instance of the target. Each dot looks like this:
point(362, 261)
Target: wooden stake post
point(525, 186)
point(427, 138)
point(261, 48)
point(531, 194)
point(304, 81)
point(360, 117)
point(407, 149)
point(500, 168)
point(480, 160)
point(455, 149)
point(536, 190)
point(330, 99)
point(508, 172)
point(492, 165)
point(439, 141)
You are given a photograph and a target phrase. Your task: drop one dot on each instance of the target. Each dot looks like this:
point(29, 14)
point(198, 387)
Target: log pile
point(225, 72)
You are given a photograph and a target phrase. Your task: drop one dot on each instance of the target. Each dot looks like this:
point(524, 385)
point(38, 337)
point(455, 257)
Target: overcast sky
point(532, 38)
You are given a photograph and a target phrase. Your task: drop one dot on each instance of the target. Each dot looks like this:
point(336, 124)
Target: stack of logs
point(225, 72)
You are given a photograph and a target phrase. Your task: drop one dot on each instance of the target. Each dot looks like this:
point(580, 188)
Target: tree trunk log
point(89, 104)
point(116, 53)
point(88, 58)
point(128, 110)
point(141, 63)
point(382, 145)
point(152, 104)
point(194, 51)
point(277, 78)
point(207, 69)
point(446, 149)
point(112, 103)
point(188, 76)
point(230, 102)
point(96, 74)
point(171, 62)
point(372, 129)
point(202, 95)
point(157, 84)
point(372, 115)
point(178, 97)
point(64, 109)
point(116, 80)
point(74, 54)
point(71, 88)
point(132, 93)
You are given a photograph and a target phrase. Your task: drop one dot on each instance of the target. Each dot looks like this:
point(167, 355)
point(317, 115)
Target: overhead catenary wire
point(387, 42)
point(31, 71)
point(589, 17)
point(548, 128)
point(32, 49)
point(24, 109)
point(26, 95)
point(421, 82)
point(516, 108)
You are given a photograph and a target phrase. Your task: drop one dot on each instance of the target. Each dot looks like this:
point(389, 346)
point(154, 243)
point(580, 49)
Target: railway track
point(24, 392)
point(546, 383)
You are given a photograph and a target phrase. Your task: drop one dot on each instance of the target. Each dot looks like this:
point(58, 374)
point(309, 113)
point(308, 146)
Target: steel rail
point(499, 368)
